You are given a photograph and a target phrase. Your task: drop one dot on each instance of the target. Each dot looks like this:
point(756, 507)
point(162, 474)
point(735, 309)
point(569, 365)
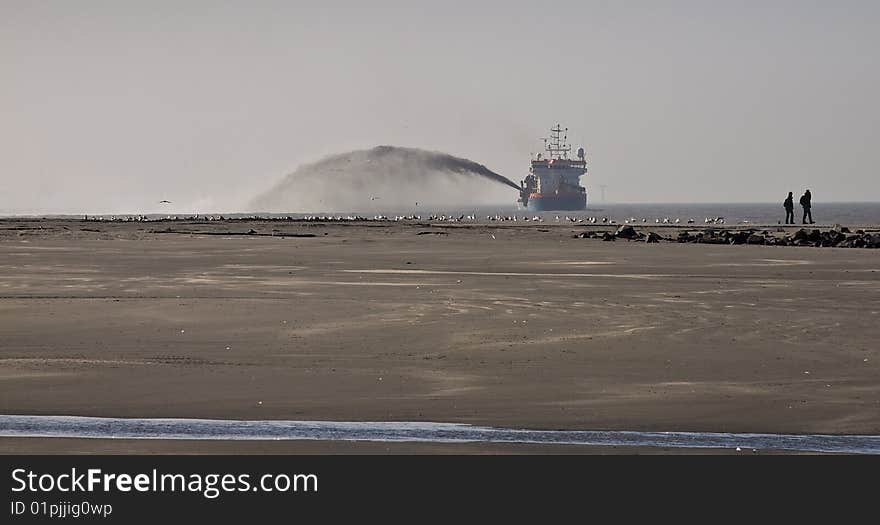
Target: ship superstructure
point(553, 182)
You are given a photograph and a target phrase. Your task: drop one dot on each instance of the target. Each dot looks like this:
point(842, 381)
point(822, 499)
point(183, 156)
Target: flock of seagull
point(667, 220)
point(537, 218)
point(507, 218)
point(460, 218)
point(397, 218)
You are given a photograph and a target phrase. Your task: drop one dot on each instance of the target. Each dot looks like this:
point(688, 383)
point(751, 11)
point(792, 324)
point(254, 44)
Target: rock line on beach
point(836, 237)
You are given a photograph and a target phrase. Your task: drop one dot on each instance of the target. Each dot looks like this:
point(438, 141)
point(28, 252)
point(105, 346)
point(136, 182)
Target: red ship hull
point(563, 201)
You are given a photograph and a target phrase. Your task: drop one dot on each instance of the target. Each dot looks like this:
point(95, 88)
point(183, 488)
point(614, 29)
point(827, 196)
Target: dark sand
point(372, 321)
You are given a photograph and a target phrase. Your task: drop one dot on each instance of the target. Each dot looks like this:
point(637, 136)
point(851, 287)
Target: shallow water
point(210, 429)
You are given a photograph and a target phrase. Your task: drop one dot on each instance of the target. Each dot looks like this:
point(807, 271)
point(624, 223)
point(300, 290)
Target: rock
point(740, 237)
point(626, 232)
point(839, 237)
point(756, 239)
point(835, 237)
point(713, 240)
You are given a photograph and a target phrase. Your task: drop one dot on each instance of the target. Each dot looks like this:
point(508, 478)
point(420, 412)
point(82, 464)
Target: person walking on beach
point(789, 209)
point(805, 203)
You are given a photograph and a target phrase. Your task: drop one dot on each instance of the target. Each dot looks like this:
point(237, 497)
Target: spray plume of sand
point(386, 177)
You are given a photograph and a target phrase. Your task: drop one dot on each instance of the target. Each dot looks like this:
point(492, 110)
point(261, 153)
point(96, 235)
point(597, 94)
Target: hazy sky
point(112, 106)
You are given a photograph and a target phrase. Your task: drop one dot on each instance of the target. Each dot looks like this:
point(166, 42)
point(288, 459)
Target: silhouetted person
point(805, 203)
point(788, 204)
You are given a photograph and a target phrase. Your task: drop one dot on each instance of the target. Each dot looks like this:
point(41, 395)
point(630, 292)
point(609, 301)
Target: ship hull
point(558, 202)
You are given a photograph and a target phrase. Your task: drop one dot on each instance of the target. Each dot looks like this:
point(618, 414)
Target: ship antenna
point(565, 143)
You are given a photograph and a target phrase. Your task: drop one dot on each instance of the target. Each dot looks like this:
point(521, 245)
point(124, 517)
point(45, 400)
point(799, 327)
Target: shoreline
point(77, 427)
point(68, 446)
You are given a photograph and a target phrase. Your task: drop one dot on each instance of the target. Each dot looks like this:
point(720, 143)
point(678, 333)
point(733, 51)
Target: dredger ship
point(553, 182)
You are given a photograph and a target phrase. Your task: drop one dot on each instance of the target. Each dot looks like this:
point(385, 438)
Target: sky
point(110, 107)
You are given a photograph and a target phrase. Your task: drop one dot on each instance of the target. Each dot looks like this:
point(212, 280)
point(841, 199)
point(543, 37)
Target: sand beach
point(510, 325)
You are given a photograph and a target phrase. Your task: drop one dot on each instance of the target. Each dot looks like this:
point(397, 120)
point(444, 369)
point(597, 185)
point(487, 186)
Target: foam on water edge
point(393, 431)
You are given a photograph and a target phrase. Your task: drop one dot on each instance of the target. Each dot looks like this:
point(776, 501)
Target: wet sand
point(496, 325)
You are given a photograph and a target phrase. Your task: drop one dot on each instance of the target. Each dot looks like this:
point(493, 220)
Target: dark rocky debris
point(837, 237)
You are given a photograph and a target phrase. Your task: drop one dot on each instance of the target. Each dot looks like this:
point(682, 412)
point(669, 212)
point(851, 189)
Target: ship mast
point(556, 145)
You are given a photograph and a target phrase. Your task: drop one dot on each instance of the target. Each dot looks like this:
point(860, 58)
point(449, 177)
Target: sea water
point(399, 431)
